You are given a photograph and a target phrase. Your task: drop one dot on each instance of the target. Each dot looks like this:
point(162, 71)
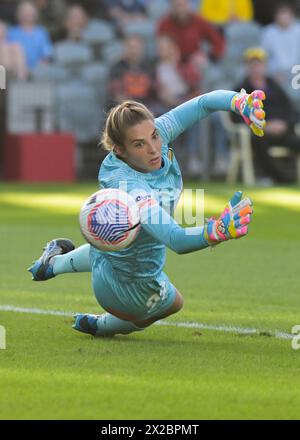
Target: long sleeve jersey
point(157, 194)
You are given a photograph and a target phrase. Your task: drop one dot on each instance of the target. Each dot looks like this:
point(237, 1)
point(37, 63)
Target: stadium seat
point(214, 78)
point(96, 75)
point(30, 107)
point(98, 32)
point(79, 110)
point(50, 73)
point(39, 157)
point(241, 152)
point(144, 28)
point(112, 52)
point(72, 55)
point(158, 8)
point(239, 37)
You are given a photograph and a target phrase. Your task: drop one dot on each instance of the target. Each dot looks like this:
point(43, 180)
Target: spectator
point(11, 56)
point(132, 77)
point(281, 116)
point(281, 40)
point(33, 38)
point(190, 31)
point(264, 10)
point(51, 13)
point(76, 22)
point(224, 11)
point(177, 82)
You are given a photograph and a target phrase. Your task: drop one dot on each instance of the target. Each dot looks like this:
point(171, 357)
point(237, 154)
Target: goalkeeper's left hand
point(233, 222)
point(250, 107)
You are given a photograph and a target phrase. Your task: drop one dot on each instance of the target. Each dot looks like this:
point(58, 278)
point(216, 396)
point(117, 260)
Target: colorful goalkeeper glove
point(250, 107)
point(233, 222)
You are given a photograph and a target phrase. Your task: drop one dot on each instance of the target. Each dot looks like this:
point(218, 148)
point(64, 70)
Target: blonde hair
point(119, 119)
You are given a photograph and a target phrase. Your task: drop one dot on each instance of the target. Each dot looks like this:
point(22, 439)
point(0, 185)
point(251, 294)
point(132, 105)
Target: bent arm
point(176, 121)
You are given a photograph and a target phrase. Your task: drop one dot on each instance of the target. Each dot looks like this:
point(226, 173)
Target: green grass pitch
point(50, 371)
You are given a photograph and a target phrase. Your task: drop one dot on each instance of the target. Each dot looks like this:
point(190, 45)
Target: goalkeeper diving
point(130, 285)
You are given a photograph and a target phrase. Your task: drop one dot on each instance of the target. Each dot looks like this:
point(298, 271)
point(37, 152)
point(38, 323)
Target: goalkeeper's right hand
point(232, 223)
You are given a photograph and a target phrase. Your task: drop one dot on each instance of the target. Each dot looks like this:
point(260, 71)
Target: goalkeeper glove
point(233, 222)
point(250, 107)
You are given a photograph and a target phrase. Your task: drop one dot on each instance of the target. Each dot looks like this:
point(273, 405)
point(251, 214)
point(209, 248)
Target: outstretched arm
point(176, 121)
point(233, 223)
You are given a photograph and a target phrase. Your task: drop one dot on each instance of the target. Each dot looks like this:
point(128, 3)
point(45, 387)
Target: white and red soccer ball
point(110, 220)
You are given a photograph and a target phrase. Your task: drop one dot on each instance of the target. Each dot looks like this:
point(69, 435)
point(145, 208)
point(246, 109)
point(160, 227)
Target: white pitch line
point(197, 325)
point(8, 308)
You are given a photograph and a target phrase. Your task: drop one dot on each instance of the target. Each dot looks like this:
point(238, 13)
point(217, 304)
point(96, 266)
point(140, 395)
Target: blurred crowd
point(93, 54)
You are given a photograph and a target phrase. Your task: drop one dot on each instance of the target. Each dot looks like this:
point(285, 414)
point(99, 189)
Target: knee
point(178, 303)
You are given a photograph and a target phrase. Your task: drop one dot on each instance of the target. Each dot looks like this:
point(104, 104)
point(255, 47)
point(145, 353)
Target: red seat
point(39, 157)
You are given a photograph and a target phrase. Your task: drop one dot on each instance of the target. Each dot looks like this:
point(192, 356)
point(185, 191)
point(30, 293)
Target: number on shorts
point(152, 301)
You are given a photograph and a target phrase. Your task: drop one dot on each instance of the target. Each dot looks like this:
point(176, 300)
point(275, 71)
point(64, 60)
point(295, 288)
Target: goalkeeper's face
point(142, 147)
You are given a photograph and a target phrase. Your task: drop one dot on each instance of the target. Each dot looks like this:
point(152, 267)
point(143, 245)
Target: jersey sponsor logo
point(145, 201)
point(143, 198)
point(167, 198)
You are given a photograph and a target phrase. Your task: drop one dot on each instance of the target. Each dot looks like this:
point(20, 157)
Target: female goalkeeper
point(130, 284)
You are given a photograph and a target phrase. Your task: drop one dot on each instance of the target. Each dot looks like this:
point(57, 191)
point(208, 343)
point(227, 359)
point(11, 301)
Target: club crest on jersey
point(170, 154)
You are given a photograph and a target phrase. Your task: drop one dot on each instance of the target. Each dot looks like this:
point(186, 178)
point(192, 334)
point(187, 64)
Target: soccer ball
point(110, 220)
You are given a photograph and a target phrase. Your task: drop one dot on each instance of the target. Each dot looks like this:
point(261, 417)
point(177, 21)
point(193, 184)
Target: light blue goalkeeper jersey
point(145, 258)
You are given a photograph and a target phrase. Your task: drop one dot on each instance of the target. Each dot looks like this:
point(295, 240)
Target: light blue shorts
point(130, 299)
